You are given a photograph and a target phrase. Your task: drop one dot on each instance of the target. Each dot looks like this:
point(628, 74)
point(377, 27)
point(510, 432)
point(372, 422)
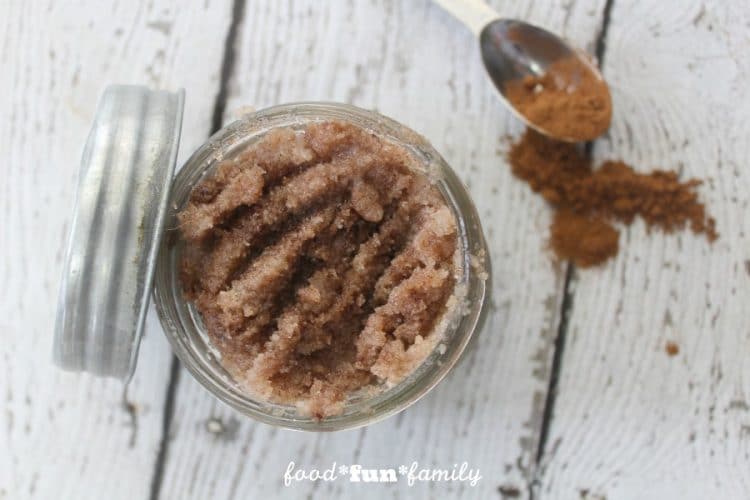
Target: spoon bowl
point(514, 50)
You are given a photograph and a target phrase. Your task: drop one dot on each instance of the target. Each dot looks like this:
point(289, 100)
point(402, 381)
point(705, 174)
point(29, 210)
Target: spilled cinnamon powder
point(587, 200)
point(584, 239)
point(672, 348)
point(568, 101)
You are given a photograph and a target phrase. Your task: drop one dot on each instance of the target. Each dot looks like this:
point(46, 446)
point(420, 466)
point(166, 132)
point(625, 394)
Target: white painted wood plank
point(413, 62)
point(630, 421)
point(63, 435)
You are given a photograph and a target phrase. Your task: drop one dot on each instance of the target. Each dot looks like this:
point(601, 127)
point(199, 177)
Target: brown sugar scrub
point(568, 101)
point(322, 261)
point(588, 200)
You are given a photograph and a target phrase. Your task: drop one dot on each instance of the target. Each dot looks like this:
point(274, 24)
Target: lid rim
point(125, 175)
point(159, 230)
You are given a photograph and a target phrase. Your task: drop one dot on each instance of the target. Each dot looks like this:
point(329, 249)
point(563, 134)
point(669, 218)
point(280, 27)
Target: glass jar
point(181, 320)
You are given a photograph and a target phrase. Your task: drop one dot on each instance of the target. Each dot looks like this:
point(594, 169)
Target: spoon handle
point(475, 14)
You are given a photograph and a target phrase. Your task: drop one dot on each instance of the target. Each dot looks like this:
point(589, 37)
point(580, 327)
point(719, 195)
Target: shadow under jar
point(184, 323)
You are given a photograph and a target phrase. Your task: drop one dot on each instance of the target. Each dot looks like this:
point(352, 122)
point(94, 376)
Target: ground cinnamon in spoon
point(568, 101)
point(588, 200)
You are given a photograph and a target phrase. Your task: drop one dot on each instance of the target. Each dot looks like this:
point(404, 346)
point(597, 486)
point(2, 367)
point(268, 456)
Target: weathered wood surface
point(64, 435)
point(628, 421)
point(631, 421)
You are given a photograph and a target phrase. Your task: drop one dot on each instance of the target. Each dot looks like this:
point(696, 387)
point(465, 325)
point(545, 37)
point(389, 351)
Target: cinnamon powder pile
point(568, 101)
point(587, 200)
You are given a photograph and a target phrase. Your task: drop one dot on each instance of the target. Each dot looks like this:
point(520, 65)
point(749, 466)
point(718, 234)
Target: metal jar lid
point(124, 184)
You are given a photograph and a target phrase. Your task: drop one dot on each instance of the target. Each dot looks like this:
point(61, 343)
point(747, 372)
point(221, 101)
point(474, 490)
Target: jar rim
point(195, 351)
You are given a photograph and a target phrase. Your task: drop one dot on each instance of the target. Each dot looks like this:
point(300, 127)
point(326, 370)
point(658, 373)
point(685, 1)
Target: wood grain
point(412, 61)
point(64, 435)
point(631, 421)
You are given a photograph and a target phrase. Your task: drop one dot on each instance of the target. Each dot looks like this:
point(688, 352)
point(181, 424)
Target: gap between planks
point(227, 68)
point(567, 303)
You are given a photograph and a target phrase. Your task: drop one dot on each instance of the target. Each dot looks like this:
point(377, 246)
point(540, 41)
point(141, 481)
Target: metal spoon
point(512, 50)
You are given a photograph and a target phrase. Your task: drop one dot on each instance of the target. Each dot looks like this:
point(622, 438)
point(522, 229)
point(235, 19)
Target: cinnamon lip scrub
point(326, 268)
point(321, 263)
